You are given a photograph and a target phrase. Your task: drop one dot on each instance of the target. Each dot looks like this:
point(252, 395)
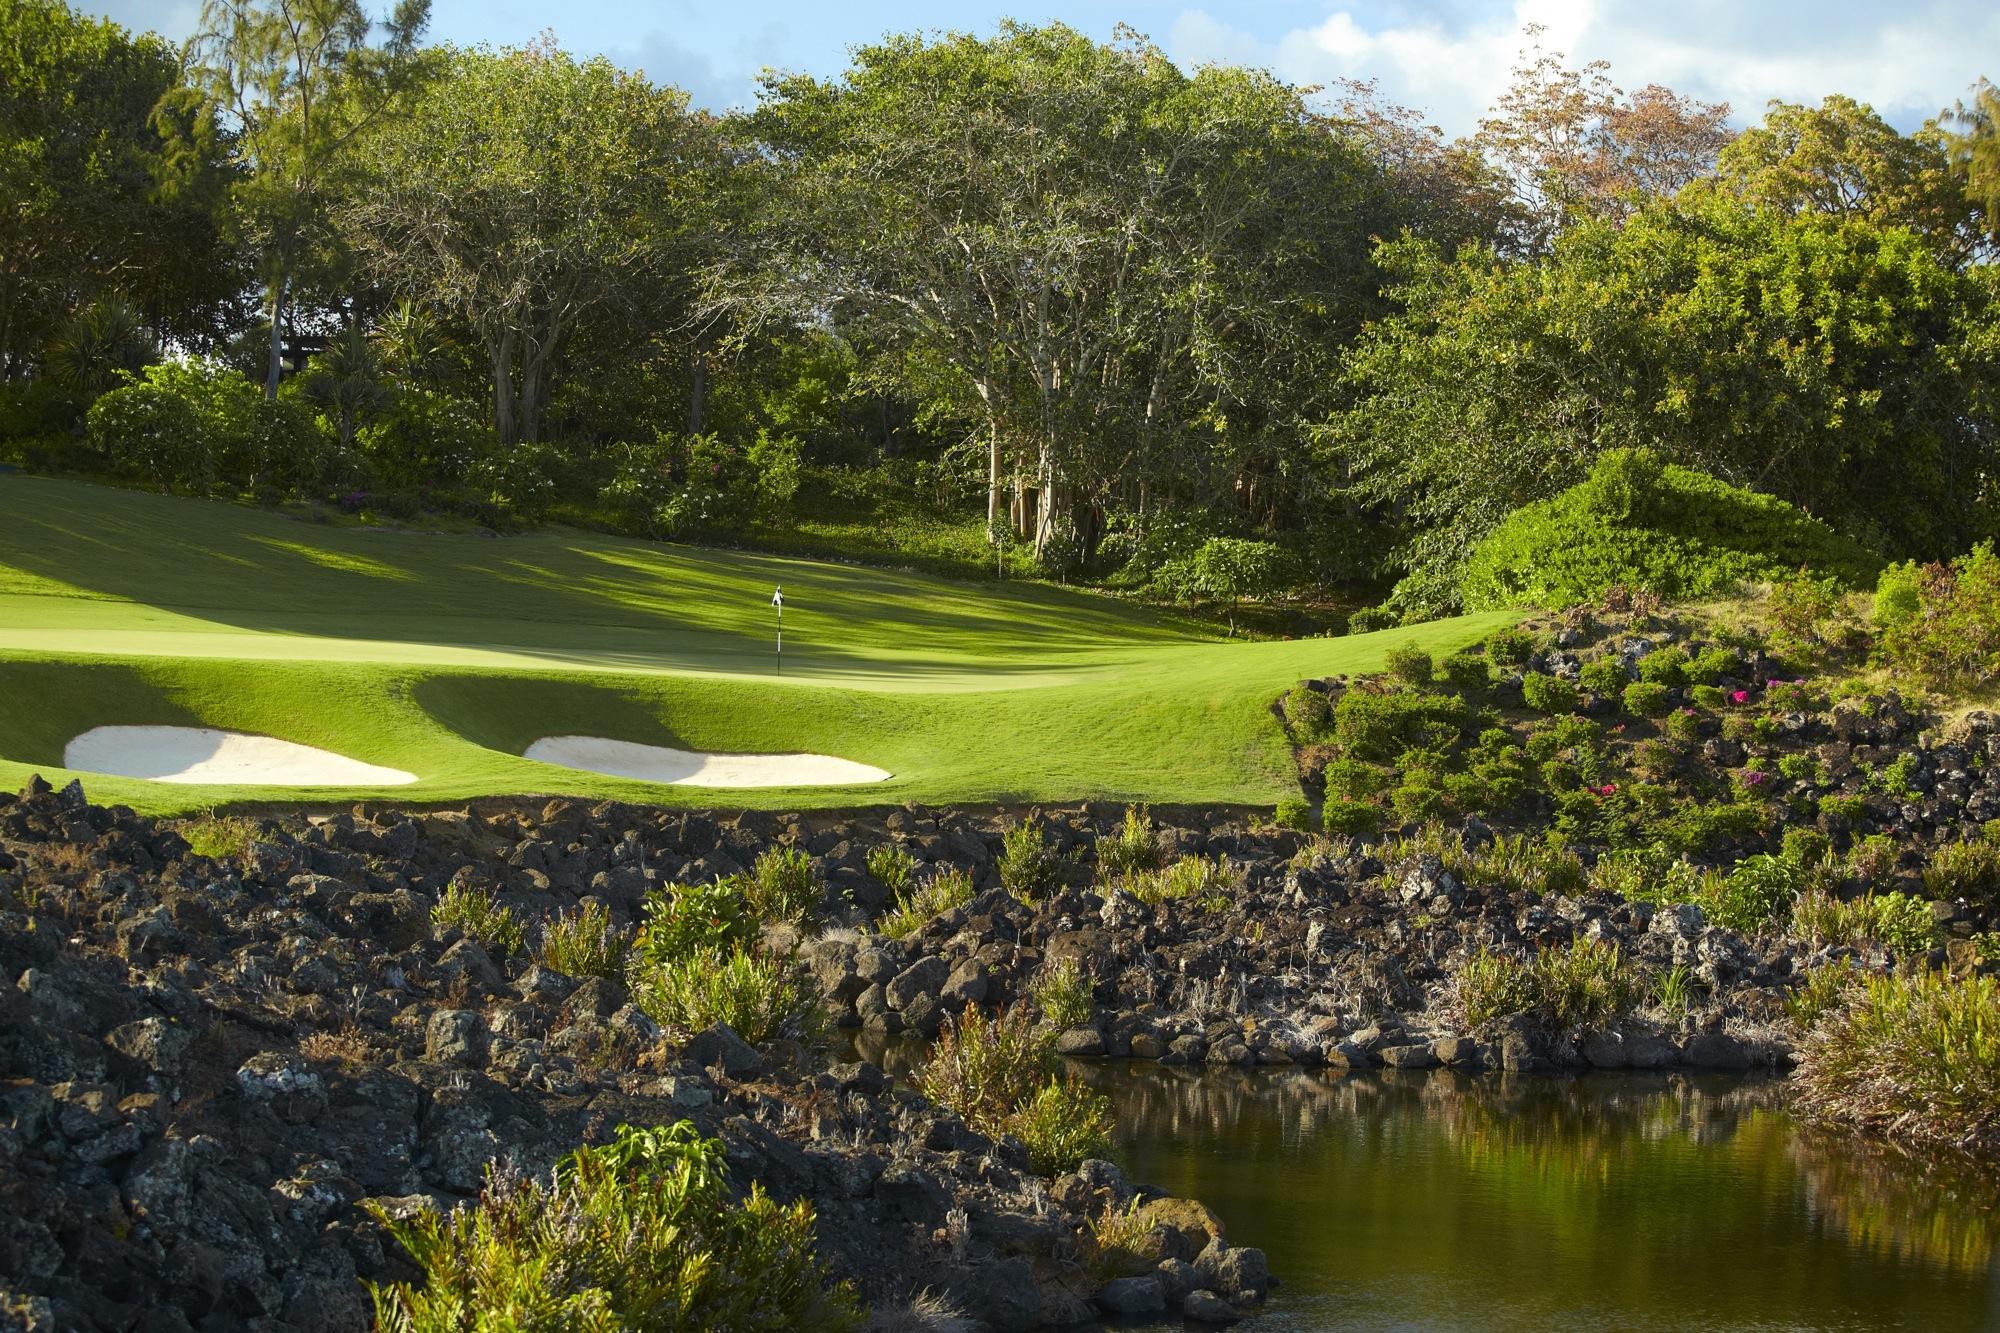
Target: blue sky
point(1445, 57)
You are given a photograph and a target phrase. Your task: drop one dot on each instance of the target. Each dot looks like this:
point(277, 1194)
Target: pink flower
point(1754, 779)
point(1740, 696)
point(1607, 789)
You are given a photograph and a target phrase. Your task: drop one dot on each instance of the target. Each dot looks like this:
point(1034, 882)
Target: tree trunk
point(697, 392)
point(274, 364)
point(993, 483)
point(502, 352)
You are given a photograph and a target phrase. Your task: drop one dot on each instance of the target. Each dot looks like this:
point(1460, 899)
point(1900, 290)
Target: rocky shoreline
point(210, 1063)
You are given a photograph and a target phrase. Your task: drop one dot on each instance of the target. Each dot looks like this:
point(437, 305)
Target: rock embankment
point(208, 1064)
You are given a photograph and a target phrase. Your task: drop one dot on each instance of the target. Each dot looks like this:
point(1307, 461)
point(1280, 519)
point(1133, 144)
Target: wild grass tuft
point(1029, 867)
point(892, 866)
point(219, 836)
point(999, 1074)
point(1063, 1124)
point(1968, 870)
point(481, 915)
point(758, 995)
point(1135, 848)
point(639, 1233)
point(1917, 1055)
point(1063, 994)
point(782, 885)
point(946, 888)
point(1584, 984)
point(582, 942)
point(1896, 921)
point(1198, 877)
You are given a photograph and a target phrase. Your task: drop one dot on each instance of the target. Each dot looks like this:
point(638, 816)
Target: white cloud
point(1451, 61)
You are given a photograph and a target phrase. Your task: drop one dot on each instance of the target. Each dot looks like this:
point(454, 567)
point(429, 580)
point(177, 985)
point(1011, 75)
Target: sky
point(1447, 58)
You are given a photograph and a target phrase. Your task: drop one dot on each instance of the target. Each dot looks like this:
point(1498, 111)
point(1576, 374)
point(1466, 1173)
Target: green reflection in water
point(1642, 1201)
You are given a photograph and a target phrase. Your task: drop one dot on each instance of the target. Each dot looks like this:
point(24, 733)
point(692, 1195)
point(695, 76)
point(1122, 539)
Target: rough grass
point(481, 915)
point(758, 995)
point(1582, 985)
point(445, 655)
point(1916, 1056)
point(917, 904)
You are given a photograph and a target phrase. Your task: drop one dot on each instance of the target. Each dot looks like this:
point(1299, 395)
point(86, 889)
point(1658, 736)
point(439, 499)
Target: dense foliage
point(1635, 524)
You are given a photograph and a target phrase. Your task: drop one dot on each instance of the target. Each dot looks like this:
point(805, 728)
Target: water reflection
point(1641, 1201)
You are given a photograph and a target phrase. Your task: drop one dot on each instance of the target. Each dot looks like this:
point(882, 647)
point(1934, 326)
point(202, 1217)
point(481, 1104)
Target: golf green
point(446, 655)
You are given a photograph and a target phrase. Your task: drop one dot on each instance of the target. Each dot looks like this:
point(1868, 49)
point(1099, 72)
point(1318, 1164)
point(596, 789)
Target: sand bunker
point(691, 768)
point(207, 757)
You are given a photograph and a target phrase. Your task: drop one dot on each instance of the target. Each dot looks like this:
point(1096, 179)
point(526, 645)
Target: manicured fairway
point(448, 655)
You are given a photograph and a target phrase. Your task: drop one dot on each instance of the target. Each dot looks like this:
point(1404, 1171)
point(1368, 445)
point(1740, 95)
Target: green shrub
point(144, 430)
point(638, 1233)
point(1668, 530)
point(479, 914)
point(1605, 676)
point(1752, 893)
point(687, 919)
point(1354, 780)
point(1684, 725)
point(985, 1068)
point(1308, 711)
point(583, 943)
point(1135, 847)
point(1664, 666)
point(782, 885)
point(1847, 809)
point(1062, 1125)
point(1696, 827)
point(1549, 694)
point(1710, 697)
point(1420, 800)
point(1823, 989)
point(1713, 664)
point(1379, 727)
point(1951, 643)
point(916, 906)
point(1409, 665)
point(1805, 846)
point(892, 867)
point(1062, 994)
point(757, 995)
point(219, 836)
point(1646, 699)
point(1968, 870)
point(1583, 985)
point(1466, 671)
point(1898, 776)
point(1916, 1056)
point(1799, 767)
point(1029, 867)
point(1896, 921)
point(1898, 596)
point(1803, 608)
point(1511, 646)
point(1352, 818)
point(1293, 812)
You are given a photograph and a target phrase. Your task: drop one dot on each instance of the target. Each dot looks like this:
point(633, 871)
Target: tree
point(82, 216)
point(1974, 150)
point(298, 86)
point(1842, 160)
point(1575, 146)
point(1835, 362)
point(1102, 261)
point(526, 190)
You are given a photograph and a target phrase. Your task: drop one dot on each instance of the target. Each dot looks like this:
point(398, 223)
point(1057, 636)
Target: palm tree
point(100, 345)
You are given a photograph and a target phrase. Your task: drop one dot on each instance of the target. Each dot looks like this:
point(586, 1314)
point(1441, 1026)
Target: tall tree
point(298, 85)
point(1840, 159)
point(1974, 149)
point(526, 190)
point(82, 214)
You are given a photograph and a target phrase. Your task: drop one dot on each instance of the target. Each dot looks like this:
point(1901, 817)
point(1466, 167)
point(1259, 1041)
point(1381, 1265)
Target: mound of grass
point(1585, 984)
point(1635, 523)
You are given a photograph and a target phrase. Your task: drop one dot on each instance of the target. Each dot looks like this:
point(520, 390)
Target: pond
point(1618, 1201)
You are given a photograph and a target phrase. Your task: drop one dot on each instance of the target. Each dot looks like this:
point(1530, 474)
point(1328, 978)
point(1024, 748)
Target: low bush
point(1750, 895)
point(687, 919)
point(1195, 877)
point(999, 1075)
point(584, 943)
point(1062, 994)
point(1380, 727)
point(1294, 813)
point(919, 904)
point(1549, 694)
point(1636, 524)
point(218, 836)
point(1583, 985)
point(1466, 671)
point(1409, 665)
point(479, 914)
point(757, 995)
point(1029, 867)
point(146, 431)
point(1917, 1055)
point(1950, 639)
point(638, 1233)
point(1308, 711)
point(1846, 809)
point(1135, 847)
point(1646, 698)
point(892, 866)
point(1511, 646)
point(1968, 869)
point(1063, 1125)
point(1352, 818)
point(782, 885)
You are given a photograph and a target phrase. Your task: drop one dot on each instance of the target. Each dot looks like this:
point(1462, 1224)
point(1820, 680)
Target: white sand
point(691, 768)
point(207, 757)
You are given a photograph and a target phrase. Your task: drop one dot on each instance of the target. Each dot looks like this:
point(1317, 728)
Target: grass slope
point(446, 655)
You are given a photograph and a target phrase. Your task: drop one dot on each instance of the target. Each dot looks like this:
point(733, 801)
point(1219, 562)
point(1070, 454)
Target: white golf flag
point(778, 598)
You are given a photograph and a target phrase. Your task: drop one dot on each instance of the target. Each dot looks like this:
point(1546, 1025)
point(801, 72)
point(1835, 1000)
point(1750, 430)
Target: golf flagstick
point(778, 600)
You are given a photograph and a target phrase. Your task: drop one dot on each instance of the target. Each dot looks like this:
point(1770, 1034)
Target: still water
point(1439, 1201)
